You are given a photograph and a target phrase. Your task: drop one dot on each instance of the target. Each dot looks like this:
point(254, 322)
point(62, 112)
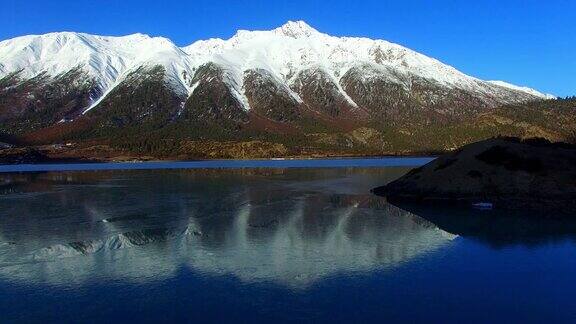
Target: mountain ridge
point(112, 57)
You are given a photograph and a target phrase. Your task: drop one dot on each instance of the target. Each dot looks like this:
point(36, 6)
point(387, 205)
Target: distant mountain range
point(288, 91)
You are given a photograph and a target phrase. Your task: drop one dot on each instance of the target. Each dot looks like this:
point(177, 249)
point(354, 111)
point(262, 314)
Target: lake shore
point(61, 154)
point(375, 162)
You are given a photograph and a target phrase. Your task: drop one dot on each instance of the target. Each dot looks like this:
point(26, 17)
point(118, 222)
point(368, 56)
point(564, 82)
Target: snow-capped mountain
point(296, 46)
point(285, 75)
point(283, 52)
point(105, 58)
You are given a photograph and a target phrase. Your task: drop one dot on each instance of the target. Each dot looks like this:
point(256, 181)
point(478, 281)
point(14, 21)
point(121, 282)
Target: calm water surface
point(279, 244)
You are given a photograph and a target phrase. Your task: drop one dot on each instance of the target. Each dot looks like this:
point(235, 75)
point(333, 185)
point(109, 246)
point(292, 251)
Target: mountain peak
point(296, 29)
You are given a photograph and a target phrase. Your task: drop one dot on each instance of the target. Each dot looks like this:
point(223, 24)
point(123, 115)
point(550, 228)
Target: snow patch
point(523, 89)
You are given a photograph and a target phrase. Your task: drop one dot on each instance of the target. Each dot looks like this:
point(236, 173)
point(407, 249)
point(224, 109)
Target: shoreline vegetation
point(61, 154)
point(416, 134)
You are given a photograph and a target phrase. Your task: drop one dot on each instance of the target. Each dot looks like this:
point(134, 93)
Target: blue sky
point(524, 42)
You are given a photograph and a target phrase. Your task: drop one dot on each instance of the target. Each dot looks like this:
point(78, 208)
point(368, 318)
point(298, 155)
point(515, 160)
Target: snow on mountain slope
point(524, 89)
point(106, 59)
point(55, 53)
point(295, 46)
point(283, 52)
point(152, 52)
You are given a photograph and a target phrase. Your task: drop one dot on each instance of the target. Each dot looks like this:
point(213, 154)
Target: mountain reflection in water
point(287, 226)
point(499, 228)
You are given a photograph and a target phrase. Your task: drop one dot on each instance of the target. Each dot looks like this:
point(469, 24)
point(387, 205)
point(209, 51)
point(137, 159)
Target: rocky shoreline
point(504, 173)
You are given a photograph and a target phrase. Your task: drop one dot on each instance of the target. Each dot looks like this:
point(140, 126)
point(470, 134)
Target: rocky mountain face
point(292, 85)
point(44, 100)
point(213, 98)
point(141, 98)
point(323, 94)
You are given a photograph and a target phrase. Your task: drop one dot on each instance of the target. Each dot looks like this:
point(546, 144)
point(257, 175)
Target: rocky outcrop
point(506, 172)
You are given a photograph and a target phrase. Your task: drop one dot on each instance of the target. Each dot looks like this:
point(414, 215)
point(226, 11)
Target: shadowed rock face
point(42, 101)
point(386, 93)
point(510, 173)
point(270, 97)
point(382, 92)
point(143, 97)
point(321, 94)
point(213, 99)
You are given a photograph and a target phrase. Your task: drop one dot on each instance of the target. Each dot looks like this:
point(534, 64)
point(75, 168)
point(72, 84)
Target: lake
point(267, 241)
